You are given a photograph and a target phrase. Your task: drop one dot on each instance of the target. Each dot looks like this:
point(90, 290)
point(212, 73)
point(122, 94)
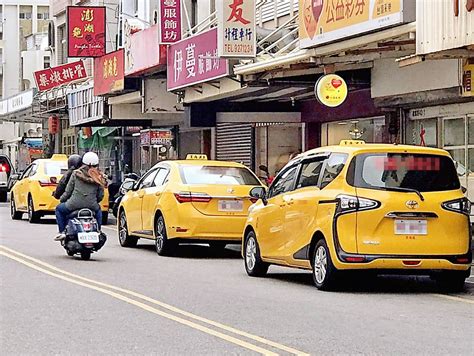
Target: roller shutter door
point(234, 142)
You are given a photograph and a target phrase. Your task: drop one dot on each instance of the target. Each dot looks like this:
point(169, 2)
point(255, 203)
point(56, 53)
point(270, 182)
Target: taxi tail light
point(355, 259)
point(462, 260)
point(4, 167)
point(350, 203)
point(188, 197)
point(51, 182)
point(462, 206)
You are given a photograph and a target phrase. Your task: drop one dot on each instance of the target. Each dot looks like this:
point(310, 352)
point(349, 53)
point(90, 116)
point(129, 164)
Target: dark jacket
point(82, 191)
point(61, 188)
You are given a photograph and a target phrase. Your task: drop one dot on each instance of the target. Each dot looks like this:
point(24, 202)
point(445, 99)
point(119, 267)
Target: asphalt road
point(132, 301)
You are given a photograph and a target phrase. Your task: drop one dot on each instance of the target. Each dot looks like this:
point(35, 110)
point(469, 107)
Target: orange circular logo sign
point(331, 90)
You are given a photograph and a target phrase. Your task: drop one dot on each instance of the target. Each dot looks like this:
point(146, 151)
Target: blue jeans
point(62, 213)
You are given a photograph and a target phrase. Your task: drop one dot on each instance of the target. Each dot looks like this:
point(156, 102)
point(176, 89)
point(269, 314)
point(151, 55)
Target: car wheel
point(86, 255)
point(33, 217)
point(217, 245)
point(323, 269)
point(124, 238)
point(254, 265)
point(3, 197)
point(164, 247)
point(451, 281)
point(105, 218)
point(15, 214)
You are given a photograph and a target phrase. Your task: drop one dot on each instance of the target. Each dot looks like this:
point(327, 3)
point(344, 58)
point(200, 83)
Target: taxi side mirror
point(259, 193)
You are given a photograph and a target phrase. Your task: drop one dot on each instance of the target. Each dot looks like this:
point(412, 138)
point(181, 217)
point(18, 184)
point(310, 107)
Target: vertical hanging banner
point(86, 31)
point(170, 21)
point(237, 37)
point(109, 73)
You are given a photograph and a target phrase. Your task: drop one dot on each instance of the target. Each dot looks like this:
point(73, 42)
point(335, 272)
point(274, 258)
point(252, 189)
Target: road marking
point(458, 299)
point(163, 305)
point(148, 308)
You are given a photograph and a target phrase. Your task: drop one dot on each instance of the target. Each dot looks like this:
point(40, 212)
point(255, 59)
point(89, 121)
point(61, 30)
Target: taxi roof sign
point(59, 157)
point(351, 142)
point(196, 156)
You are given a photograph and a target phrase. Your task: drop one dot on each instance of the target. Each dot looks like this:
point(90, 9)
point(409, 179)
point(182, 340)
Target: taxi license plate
point(88, 237)
point(231, 205)
point(411, 227)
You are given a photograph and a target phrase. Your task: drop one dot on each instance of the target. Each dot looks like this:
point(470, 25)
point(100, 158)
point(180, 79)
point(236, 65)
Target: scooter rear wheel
point(70, 253)
point(86, 255)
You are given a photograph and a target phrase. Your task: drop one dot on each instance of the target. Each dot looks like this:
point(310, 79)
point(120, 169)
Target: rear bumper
point(190, 224)
point(398, 265)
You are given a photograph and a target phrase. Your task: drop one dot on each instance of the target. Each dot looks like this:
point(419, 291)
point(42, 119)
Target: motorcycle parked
point(82, 234)
point(268, 179)
point(126, 185)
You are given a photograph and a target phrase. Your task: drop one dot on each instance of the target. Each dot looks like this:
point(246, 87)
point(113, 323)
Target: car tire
point(163, 246)
point(86, 255)
point(15, 214)
point(33, 216)
point(324, 272)
point(105, 218)
point(125, 239)
point(217, 245)
point(451, 281)
point(3, 197)
point(254, 265)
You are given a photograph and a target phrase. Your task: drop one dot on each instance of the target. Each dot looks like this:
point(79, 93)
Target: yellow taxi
point(357, 206)
point(192, 200)
point(32, 193)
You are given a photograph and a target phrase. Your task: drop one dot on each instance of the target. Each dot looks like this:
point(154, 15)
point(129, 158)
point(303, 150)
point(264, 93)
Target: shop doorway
point(371, 130)
point(458, 140)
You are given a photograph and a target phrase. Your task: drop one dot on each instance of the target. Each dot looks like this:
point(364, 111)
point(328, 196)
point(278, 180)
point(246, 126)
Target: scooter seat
point(82, 213)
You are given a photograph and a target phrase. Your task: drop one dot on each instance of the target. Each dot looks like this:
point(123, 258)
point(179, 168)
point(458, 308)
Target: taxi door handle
point(158, 194)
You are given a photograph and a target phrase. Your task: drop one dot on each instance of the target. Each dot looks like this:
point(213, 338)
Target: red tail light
point(355, 259)
point(5, 168)
point(462, 260)
point(411, 263)
point(187, 197)
point(52, 182)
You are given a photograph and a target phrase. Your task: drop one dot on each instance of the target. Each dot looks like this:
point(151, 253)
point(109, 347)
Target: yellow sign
point(328, 20)
point(468, 72)
point(331, 90)
point(196, 156)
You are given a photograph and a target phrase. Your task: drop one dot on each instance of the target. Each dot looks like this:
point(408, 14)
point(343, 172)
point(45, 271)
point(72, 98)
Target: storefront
point(450, 127)
point(157, 145)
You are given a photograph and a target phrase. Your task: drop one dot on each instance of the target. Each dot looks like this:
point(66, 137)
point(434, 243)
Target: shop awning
point(363, 47)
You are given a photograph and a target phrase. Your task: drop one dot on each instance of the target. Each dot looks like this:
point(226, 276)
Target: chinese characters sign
point(170, 20)
point(195, 60)
point(328, 20)
point(237, 32)
point(86, 31)
point(331, 90)
point(109, 73)
point(63, 74)
point(143, 53)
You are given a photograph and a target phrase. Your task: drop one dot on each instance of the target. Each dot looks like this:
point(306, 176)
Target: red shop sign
point(63, 74)
point(86, 31)
point(109, 73)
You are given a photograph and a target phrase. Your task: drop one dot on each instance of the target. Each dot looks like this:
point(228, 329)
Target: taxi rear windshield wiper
point(408, 190)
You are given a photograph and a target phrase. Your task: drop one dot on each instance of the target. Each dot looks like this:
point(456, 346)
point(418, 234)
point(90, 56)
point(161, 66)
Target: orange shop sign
point(329, 20)
point(109, 73)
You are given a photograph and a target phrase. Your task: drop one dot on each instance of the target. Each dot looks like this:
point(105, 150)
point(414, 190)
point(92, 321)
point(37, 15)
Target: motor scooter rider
point(74, 162)
point(84, 190)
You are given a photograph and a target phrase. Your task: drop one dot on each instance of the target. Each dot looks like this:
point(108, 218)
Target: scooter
point(126, 185)
point(267, 178)
point(82, 234)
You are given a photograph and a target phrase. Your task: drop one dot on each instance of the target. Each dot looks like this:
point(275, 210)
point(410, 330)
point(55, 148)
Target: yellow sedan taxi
point(32, 193)
point(192, 200)
point(357, 206)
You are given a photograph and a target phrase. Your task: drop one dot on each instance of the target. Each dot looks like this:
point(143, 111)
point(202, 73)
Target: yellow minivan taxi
point(193, 200)
point(387, 208)
point(32, 193)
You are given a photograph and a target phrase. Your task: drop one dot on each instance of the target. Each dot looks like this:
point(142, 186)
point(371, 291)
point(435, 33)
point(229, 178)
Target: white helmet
point(90, 159)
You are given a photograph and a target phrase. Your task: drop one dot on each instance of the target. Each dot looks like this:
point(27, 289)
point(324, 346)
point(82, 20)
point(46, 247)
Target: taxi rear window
point(425, 173)
point(193, 174)
point(54, 168)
